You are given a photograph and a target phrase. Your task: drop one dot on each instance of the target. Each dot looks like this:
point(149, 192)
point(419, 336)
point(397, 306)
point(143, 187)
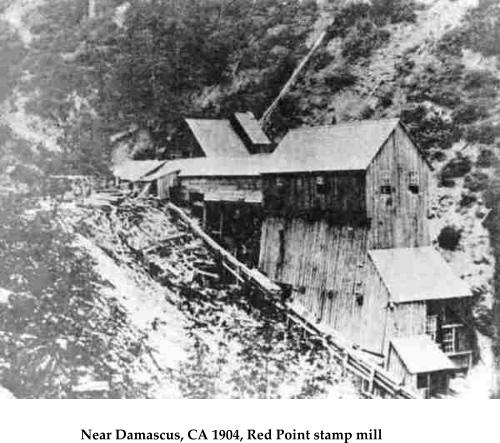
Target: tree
point(152, 70)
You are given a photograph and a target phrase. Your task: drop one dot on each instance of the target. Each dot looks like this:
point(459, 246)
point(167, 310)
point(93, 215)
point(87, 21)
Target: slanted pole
point(267, 113)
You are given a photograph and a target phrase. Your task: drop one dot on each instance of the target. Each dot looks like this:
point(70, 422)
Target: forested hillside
point(72, 77)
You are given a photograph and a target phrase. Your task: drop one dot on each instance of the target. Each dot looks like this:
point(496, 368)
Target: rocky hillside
point(85, 313)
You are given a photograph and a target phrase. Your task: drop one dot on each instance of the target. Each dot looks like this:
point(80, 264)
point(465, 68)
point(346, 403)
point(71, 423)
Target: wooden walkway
point(375, 381)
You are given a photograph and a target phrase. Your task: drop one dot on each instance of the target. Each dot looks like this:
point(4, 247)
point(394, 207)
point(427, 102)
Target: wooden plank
point(251, 275)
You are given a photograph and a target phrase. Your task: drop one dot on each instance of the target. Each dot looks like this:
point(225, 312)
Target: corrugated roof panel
point(217, 138)
point(420, 354)
point(342, 147)
point(415, 274)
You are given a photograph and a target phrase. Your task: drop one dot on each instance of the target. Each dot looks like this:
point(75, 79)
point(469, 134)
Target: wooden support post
point(371, 380)
point(204, 225)
point(345, 362)
point(221, 221)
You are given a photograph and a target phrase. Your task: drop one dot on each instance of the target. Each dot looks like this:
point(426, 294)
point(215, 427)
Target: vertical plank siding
point(400, 218)
point(318, 241)
point(327, 267)
point(397, 368)
point(377, 313)
point(341, 197)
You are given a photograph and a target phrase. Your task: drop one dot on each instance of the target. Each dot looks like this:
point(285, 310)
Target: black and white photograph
point(250, 199)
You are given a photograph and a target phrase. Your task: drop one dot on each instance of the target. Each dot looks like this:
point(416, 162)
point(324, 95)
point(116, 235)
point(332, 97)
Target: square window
point(413, 182)
point(448, 341)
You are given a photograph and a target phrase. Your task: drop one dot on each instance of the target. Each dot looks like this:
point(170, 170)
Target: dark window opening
point(195, 197)
point(413, 189)
point(321, 187)
point(413, 183)
point(385, 187)
point(422, 381)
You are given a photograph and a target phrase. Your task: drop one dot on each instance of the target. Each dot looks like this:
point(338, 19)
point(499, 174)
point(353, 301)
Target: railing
point(374, 380)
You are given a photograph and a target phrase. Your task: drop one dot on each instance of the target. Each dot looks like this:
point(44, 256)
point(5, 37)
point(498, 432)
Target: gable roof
point(133, 170)
point(217, 138)
point(213, 167)
point(416, 274)
point(420, 354)
point(343, 147)
point(252, 128)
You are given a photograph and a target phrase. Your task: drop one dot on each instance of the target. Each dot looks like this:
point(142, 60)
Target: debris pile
point(234, 344)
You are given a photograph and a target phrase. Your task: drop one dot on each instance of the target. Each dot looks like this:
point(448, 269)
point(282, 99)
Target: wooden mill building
point(339, 215)
point(345, 226)
point(240, 135)
point(222, 181)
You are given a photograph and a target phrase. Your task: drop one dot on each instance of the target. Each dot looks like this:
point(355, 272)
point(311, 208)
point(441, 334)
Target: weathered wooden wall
point(398, 219)
point(377, 311)
point(326, 266)
point(165, 184)
point(402, 320)
point(405, 320)
point(398, 369)
point(292, 195)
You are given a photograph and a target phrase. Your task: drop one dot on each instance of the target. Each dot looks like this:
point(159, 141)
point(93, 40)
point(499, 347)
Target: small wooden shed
point(419, 364)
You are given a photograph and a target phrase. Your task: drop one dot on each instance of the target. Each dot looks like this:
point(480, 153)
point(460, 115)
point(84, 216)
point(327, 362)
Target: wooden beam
point(268, 112)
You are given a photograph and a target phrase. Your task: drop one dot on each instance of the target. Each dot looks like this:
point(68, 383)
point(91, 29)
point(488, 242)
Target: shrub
point(477, 78)
point(363, 39)
point(482, 30)
point(480, 133)
point(476, 181)
point(430, 130)
point(394, 11)
point(437, 156)
point(451, 43)
point(446, 96)
point(467, 199)
point(446, 182)
point(404, 66)
point(339, 77)
point(456, 167)
point(385, 96)
point(322, 58)
point(449, 238)
point(492, 194)
point(469, 113)
point(347, 17)
point(380, 12)
point(486, 159)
